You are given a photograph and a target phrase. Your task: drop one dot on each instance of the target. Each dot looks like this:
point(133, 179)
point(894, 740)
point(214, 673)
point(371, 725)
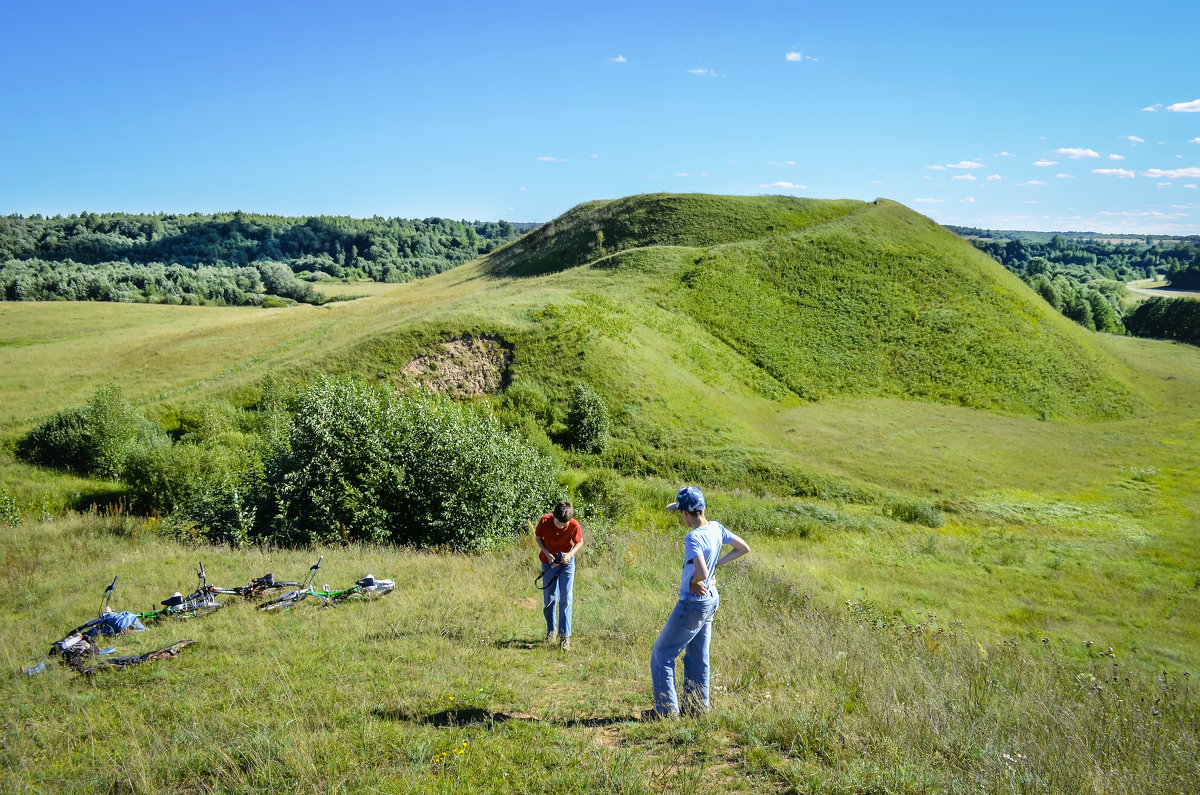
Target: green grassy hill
point(815, 366)
point(839, 298)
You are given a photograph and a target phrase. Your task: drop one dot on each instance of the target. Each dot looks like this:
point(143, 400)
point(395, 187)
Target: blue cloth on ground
point(116, 623)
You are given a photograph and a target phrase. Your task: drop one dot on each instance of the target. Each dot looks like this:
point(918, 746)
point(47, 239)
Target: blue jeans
point(558, 592)
point(688, 627)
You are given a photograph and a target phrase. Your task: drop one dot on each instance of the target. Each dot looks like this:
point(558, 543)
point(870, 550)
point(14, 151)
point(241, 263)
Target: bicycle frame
point(366, 588)
point(199, 602)
point(305, 590)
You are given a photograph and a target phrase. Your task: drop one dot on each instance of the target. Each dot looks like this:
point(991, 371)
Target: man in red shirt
point(558, 537)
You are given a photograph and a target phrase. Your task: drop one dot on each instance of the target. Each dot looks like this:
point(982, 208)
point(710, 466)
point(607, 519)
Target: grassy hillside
point(811, 365)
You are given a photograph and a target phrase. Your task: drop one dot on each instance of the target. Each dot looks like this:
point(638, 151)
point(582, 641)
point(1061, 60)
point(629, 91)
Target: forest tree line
point(208, 258)
point(1085, 278)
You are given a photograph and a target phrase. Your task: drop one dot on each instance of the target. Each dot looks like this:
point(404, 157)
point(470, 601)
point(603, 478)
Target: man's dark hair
point(564, 511)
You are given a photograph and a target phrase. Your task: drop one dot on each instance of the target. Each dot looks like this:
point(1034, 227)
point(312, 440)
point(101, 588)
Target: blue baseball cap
point(689, 498)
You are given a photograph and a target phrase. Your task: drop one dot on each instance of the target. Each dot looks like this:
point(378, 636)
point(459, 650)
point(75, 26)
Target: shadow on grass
point(476, 716)
point(520, 643)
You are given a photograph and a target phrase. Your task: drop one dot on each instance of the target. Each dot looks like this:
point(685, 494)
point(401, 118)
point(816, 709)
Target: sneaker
point(550, 635)
point(652, 714)
point(564, 643)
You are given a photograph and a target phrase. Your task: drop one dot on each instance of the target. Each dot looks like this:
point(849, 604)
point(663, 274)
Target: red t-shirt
point(557, 540)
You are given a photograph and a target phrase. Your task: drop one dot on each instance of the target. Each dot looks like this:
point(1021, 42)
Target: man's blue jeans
point(688, 627)
point(558, 594)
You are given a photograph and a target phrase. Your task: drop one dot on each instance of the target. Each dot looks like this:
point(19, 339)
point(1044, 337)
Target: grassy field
point(445, 685)
point(810, 365)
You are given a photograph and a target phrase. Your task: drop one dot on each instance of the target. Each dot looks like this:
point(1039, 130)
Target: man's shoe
point(652, 714)
point(564, 643)
point(550, 635)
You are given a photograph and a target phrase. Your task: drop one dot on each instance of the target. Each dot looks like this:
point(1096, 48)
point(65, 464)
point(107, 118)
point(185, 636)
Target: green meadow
point(973, 524)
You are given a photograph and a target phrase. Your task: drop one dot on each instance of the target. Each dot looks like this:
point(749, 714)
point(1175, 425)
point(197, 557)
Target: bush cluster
point(97, 438)
point(362, 464)
point(587, 420)
point(1166, 318)
point(343, 461)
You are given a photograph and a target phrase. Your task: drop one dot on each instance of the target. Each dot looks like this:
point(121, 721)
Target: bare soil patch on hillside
point(467, 366)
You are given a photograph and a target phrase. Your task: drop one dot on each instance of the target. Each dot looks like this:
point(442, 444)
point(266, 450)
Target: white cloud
point(1193, 187)
point(929, 201)
point(1194, 141)
point(1184, 207)
point(965, 164)
point(702, 72)
point(1185, 107)
point(548, 159)
point(523, 188)
point(1076, 154)
point(967, 200)
point(1032, 182)
point(1116, 157)
point(1135, 139)
point(1172, 173)
point(1164, 184)
point(798, 57)
point(876, 182)
point(618, 59)
point(1044, 162)
point(781, 162)
point(1032, 201)
point(594, 157)
point(1153, 108)
point(970, 177)
point(1003, 154)
point(784, 185)
point(1114, 172)
point(1143, 214)
point(681, 173)
point(937, 168)
point(1064, 176)
point(994, 177)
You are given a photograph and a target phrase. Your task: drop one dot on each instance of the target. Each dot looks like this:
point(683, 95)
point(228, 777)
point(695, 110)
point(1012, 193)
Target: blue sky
point(1064, 116)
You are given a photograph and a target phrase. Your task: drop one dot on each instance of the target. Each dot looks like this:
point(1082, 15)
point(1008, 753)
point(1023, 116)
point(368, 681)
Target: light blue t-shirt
point(703, 542)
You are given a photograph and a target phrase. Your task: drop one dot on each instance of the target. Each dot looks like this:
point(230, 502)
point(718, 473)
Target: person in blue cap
point(690, 624)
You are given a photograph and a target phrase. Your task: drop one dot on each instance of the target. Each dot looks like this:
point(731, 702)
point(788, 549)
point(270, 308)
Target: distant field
point(337, 288)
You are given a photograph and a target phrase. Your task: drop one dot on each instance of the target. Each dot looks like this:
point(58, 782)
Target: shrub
point(336, 478)
point(605, 492)
point(210, 484)
point(587, 420)
point(10, 513)
point(364, 465)
point(914, 511)
point(98, 437)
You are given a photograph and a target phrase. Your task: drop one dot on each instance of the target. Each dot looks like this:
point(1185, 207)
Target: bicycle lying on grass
point(79, 646)
point(257, 587)
point(368, 587)
point(200, 602)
